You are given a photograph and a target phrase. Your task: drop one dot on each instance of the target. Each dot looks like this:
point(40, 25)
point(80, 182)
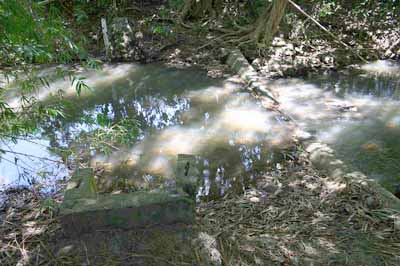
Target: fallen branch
point(46, 2)
point(327, 31)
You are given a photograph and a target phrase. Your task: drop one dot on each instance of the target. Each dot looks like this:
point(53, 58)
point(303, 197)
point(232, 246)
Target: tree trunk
point(201, 8)
point(267, 24)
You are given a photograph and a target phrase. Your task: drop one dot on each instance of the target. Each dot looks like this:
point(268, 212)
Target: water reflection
point(178, 112)
point(233, 137)
point(386, 68)
point(356, 112)
point(29, 162)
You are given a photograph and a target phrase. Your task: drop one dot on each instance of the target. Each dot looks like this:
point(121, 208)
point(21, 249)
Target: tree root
point(261, 33)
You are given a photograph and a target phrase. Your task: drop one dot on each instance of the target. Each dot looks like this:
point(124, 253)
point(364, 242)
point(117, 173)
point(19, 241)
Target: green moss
point(86, 185)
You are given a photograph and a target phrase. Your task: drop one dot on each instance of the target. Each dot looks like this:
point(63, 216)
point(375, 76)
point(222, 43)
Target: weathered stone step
point(83, 210)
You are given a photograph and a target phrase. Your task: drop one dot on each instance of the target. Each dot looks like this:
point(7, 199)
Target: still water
point(357, 112)
point(177, 112)
point(233, 138)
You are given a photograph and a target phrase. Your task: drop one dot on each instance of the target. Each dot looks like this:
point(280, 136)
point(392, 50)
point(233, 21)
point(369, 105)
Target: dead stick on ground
point(326, 30)
point(43, 3)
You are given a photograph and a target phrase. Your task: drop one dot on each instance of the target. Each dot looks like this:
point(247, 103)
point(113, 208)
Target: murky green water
point(233, 138)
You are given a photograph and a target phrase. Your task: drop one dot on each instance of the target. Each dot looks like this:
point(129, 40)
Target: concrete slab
point(83, 210)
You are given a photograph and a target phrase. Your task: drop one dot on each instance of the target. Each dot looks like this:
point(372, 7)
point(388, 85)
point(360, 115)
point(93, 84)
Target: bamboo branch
point(30, 155)
point(18, 165)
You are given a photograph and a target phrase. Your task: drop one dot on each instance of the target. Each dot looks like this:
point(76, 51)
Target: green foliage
point(35, 34)
point(78, 83)
point(176, 4)
point(81, 17)
point(108, 136)
point(94, 7)
point(31, 35)
point(103, 120)
point(259, 5)
point(92, 63)
point(379, 9)
point(327, 8)
point(162, 30)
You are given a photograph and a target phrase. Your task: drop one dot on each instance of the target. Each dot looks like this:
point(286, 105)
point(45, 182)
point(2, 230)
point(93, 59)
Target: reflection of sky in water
point(179, 111)
point(229, 137)
point(29, 167)
point(160, 112)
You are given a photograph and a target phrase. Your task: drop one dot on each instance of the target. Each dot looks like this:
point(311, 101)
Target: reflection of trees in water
point(156, 105)
point(357, 82)
point(150, 94)
point(154, 100)
point(234, 168)
point(152, 112)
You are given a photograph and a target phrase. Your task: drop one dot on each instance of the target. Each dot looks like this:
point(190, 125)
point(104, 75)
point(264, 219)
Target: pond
point(176, 111)
point(234, 139)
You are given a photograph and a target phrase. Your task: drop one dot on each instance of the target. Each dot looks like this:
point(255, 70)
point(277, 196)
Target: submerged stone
point(371, 146)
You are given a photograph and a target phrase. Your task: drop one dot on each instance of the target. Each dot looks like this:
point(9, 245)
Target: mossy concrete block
point(81, 185)
point(239, 64)
point(126, 211)
point(83, 210)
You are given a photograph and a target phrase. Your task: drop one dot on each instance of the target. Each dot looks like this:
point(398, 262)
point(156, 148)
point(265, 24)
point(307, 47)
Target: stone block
point(83, 210)
point(81, 185)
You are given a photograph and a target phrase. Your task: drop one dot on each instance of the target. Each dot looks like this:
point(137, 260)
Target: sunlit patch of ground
point(296, 217)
